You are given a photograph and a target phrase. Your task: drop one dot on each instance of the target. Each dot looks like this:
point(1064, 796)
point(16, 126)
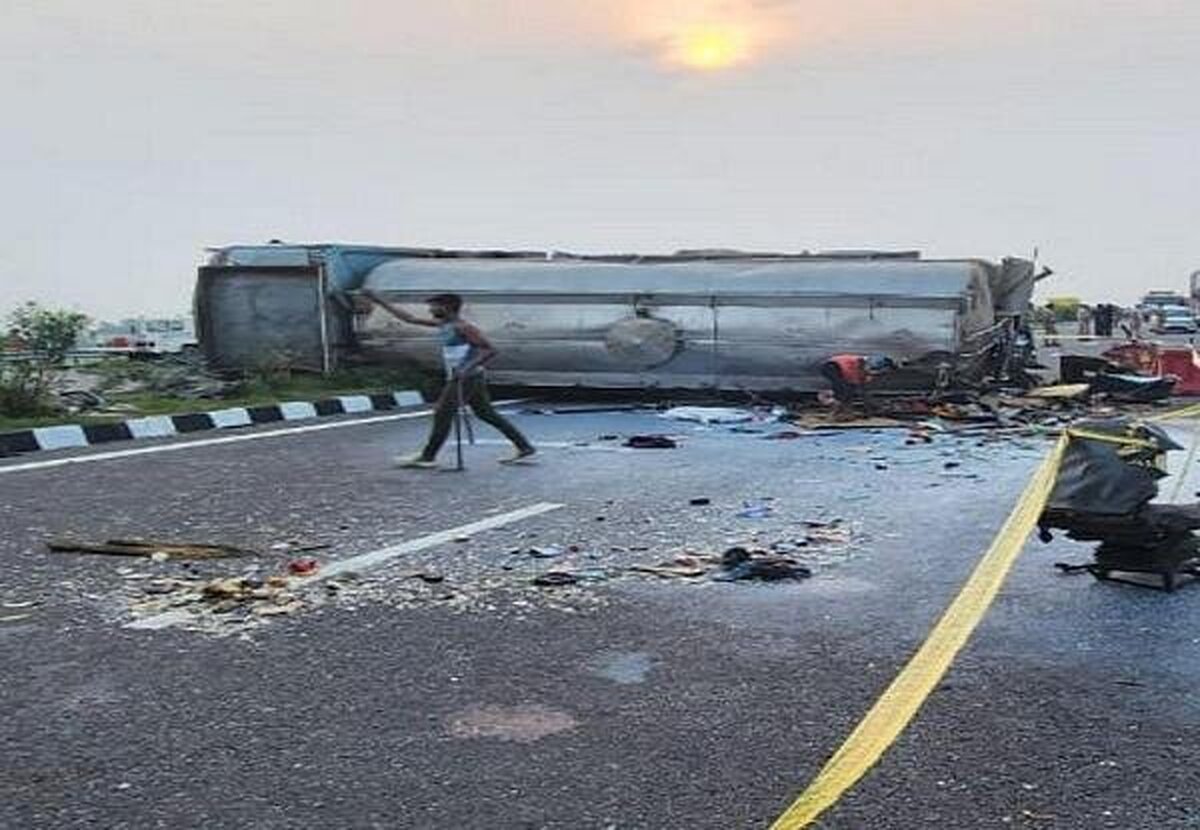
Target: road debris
point(547, 552)
point(651, 442)
point(277, 610)
point(831, 532)
point(188, 600)
point(1060, 392)
point(710, 415)
point(159, 551)
point(234, 586)
point(305, 566)
point(752, 561)
point(1106, 491)
point(682, 567)
point(1133, 388)
point(1182, 363)
point(427, 577)
point(756, 510)
point(555, 579)
point(739, 563)
point(296, 546)
point(821, 422)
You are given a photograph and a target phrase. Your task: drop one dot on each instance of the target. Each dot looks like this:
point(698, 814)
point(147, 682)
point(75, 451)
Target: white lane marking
point(206, 442)
point(375, 559)
point(211, 442)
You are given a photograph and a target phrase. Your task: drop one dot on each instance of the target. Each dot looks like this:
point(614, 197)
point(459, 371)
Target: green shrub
point(41, 338)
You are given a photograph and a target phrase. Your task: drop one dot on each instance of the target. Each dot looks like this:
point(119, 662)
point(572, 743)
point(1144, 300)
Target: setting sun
point(711, 47)
point(705, 36)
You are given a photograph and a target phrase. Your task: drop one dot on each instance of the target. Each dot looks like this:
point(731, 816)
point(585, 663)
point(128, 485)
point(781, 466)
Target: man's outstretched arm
point(397, 312)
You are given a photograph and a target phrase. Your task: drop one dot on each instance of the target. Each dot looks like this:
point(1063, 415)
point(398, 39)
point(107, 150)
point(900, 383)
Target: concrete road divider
point(70, 436)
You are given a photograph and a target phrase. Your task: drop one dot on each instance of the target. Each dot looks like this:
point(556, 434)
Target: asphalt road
point(484, 701)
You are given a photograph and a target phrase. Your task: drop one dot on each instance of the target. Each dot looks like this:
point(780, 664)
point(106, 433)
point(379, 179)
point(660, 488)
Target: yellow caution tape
point(1179, 414)
point(1122, 440)
point(905, 696)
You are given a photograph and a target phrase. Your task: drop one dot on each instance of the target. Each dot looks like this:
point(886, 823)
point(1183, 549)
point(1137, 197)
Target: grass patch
point(267, 388)
point(257, 390)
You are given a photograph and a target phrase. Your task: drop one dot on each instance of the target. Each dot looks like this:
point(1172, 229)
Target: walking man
point(465, 353)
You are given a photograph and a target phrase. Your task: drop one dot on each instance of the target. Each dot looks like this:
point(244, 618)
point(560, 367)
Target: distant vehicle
point(146, 336)
point(1175, 320)
point(1157, 300)
point(1065, 309)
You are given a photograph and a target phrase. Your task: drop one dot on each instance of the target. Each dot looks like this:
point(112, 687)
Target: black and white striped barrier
point(68, 436)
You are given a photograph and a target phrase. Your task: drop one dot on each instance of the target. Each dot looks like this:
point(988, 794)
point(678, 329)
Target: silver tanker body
point(724, 323)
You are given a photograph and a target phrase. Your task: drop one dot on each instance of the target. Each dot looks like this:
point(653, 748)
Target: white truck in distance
point(143, 336)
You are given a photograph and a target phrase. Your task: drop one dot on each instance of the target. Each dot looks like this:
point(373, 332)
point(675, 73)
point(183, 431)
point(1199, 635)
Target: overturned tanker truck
point(713, 320)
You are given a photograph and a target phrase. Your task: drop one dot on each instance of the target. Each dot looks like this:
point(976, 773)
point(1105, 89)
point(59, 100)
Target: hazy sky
point(136, 132)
